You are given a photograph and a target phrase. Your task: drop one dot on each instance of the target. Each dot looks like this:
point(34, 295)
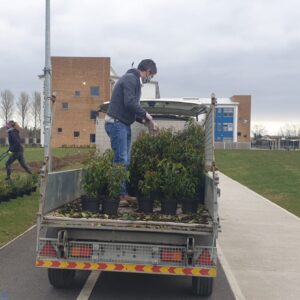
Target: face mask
point(147, 79)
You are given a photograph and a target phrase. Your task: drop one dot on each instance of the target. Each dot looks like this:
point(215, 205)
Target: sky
point(229, 47)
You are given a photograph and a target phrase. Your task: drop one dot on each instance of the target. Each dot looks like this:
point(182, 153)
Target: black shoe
point(7, 178)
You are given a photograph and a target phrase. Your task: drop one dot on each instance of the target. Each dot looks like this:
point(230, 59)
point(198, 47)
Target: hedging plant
point(176, 159)
point(146, 153)
point(95, 171)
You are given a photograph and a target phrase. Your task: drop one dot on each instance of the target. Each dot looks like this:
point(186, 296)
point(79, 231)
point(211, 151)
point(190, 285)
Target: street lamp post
point(47, 90)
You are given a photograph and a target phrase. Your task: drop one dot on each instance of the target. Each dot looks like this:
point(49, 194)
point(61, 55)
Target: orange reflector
point(48, 250)
point(170, 254)
point(205, 258)
point(81, 251)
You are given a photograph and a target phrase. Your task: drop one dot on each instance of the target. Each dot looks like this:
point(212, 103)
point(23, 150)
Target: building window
point(95, 91)
point(59, 129)
point(77, 93)
point(92, 138)
point(228, 112)
point(65, 105)
point(93, 115)
point(227, 126)
point(219, 112)
point(219, 127)
point(239, 134)
point(76, 134)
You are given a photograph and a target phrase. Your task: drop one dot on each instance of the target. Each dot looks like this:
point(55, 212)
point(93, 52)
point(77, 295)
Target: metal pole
point(47, 90)
point(46, 123)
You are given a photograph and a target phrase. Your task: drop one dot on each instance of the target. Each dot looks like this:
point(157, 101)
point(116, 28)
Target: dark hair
point(147, 64)
point(12, 123)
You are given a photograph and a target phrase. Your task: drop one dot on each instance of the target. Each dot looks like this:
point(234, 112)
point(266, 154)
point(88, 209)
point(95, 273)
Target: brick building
point(80, 85)
point(244, 117)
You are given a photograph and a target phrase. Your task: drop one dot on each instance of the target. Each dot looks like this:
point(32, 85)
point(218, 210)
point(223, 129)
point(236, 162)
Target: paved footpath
point(261, 244)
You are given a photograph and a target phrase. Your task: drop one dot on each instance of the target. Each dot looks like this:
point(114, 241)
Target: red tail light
point(48, 250)
point(205, 258)
point(171, 255)
point(81, 251)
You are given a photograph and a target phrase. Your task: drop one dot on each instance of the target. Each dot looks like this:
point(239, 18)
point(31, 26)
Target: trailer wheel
point(202, 286)
point(61, 278)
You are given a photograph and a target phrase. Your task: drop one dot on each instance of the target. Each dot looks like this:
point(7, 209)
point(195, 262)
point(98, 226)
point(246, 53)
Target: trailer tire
point(202, 286)
point(61, 278)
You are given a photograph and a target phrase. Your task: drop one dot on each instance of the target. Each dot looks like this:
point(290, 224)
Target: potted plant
point(3, 191)
point(188, 194)
point(170, 178)
point(116, 175)
point(15, 187)
point(148, 188)
point(94, 182)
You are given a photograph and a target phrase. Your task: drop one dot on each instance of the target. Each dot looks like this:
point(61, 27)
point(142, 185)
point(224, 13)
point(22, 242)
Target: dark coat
point(14, 140)
point(125, 101)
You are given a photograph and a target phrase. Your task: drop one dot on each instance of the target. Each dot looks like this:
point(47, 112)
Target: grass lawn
point(19, 214)
point(272, 174)
point(37, 154)
point(16, 216)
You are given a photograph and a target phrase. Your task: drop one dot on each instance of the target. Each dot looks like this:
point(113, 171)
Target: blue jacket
point(125, 100)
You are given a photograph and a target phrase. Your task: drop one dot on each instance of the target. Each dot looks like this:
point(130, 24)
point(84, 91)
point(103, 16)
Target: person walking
point(123, 110)
point(16, 150)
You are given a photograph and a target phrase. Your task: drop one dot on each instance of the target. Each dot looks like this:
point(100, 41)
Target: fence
point(232, 145)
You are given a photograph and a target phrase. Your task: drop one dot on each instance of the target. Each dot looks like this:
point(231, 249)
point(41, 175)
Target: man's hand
point(148, 117)
point(152, 126)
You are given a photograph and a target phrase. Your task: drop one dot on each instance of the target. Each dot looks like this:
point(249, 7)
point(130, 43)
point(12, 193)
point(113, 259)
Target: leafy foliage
point(169, 162)
point(95, 178)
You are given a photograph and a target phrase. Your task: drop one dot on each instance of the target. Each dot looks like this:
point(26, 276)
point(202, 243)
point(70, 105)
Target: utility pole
point(47, 91)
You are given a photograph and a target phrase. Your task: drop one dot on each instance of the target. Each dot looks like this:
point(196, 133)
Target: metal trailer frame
point(127, 246)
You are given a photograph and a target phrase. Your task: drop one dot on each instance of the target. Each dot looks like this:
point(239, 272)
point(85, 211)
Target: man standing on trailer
point(123, 110)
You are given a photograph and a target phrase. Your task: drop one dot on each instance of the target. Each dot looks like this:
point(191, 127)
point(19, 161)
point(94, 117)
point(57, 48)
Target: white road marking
point(5, 245)
point(229, 275)
point(89, 285)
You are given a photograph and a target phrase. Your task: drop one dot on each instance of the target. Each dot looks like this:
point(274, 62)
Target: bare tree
point(6, 105)
point(290, 130)
point(35, 106)
point(23, 107)
point(258, 131)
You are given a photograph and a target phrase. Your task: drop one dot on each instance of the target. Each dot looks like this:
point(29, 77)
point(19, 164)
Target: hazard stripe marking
point(211, 272)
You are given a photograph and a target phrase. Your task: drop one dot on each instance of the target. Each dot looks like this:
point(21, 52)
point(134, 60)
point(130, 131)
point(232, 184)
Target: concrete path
point(261, 243)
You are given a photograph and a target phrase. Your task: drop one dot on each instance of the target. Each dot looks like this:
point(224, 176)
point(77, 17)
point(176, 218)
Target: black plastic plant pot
point(168, 207)
point(189, 206)
point(27, 192)
point(4, 198)
point(145, 204)
point(90, 204)
point(110, 206)
point(12, 195)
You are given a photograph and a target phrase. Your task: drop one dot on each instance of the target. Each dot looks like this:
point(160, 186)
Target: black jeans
point(16, 156)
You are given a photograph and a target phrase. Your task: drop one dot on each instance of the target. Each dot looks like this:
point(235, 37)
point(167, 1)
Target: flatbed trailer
point(67, 244)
